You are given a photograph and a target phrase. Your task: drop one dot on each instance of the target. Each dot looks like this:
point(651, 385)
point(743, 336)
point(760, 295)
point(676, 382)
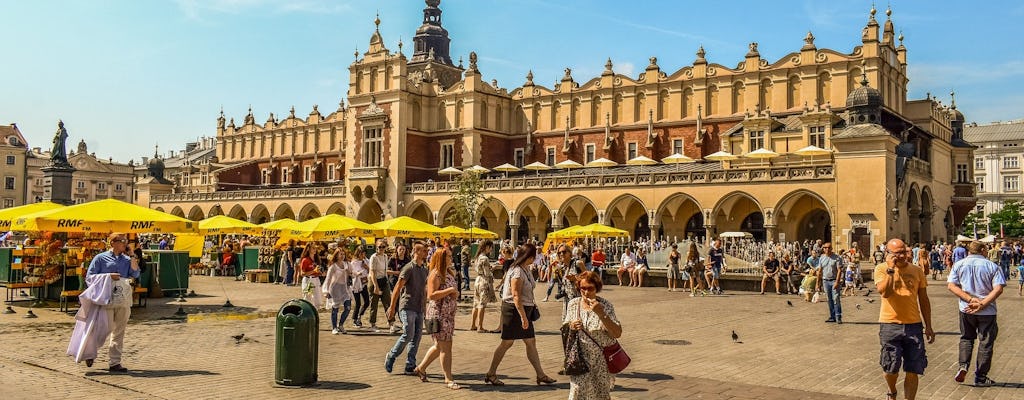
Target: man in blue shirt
point(959, 252)
point(830, 268)
point(119, 263)
point(977, 282)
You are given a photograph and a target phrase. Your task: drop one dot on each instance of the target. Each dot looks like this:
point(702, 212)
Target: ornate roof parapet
point(870, 33)
point(376, 41)
point(700, 56)
point(271, 122)
point(888, 31)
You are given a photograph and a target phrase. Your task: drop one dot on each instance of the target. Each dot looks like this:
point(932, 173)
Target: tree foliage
point(1009, 218)
point(468, 200)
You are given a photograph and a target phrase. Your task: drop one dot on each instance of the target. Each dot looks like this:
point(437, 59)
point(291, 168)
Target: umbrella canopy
point(811, 151)
point(537, 166)
point(475, 232)
point(677, 159)
point(506, 167)
point(407, 227)
point(280, 225)
point(450, 171)
point(452, 231)
point(720, 156)
point(219, 224)
point(761, 153)
point(103, 216)
point(568, 164)
point(602, 162)
point(736, 235)
point(9, 214)
point(592, 230)
point(476, 169)
point(641, 160)
point(332, 226)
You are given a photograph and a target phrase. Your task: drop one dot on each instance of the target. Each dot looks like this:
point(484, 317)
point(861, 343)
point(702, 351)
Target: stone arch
point(732, 210)
point(445, 214)
point(793, 92)
point(674, 215)
point(308, 212)
point(577, 112)
point(216, 209)
point(556, 114)
point(284, 211)
point(663, 102)
point(914, 214)
point(519, 120)
point(459, 111)
point(420, 211)
point(712, 100)
point(177, 211)
point(853, 79)
point(640, 107)
point(824, 87)
point(196, 214)
point(259, 214)
point(160, 209)
point(738, 99)
point(764, 96)
point(595, 110)
point(577, 210)
point(801, 215)
point(687, 105)
point(493, 216)
point(534, 216)
point(627, 212)
point(237, 212)
point(617, 108)
point(335, 208)
point(371, 212)
point(927, 215)
point(535, 116)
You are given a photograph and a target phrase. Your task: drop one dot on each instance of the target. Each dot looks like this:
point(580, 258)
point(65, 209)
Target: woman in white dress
point(336, 290)
point(360, 268)
point(596, 316)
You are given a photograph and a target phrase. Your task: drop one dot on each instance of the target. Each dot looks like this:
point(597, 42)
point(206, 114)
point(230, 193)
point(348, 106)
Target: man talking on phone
point(123, 266)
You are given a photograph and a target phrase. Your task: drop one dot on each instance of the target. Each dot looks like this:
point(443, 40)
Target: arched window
point(824, 88)
point(415, 123)
point(640, 112)
point(483, 114)
point(617, 108)
point(737, 97)
point(442, 117)
point(556, 115)
point(853, 80)
point(535, 117)
point(373, 80)
point(764, 98)
point(713, 108)
point(662, 105)
point(688, 107)
point(595, 111)
point(499, 117)
point(793, 95)
point(576, 111)
point(459, 106)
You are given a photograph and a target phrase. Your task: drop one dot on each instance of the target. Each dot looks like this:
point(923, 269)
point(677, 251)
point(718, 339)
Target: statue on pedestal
point(59, 154)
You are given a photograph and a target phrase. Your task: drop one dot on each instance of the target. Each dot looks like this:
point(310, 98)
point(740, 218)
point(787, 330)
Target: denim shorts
point(902, 344)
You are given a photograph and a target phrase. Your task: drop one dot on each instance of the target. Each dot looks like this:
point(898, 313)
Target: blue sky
point(126, 75)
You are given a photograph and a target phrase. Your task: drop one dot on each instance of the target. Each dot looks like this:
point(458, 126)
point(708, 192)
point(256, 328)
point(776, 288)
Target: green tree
point(468, 200)
point(972, 221)
point(1008, 218)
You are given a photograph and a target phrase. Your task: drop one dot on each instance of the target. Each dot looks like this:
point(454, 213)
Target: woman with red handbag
point(595, 318)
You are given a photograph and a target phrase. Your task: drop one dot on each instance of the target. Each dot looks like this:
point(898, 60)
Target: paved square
point(681, 347)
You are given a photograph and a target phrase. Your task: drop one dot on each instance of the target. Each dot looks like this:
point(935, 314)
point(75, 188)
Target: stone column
point(514, 233)
point(770, 232)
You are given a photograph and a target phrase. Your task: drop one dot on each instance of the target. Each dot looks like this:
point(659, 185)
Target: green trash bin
point(297, 342)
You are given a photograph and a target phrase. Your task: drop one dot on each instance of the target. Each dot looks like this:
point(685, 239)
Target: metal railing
point(254, 194)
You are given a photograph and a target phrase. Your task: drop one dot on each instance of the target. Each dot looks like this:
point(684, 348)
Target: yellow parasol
point(332, 226)
point(592, 230)
point(103, 216)
point(473, 233)
point(7, 215)
point(407, 227)
point(220, 224)
point(280, 225)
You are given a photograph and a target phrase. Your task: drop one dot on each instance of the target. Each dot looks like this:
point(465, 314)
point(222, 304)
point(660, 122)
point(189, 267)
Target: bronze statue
point(59, 155)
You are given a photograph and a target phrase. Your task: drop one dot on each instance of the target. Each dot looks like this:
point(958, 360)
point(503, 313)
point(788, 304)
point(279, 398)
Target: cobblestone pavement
point(681, 347)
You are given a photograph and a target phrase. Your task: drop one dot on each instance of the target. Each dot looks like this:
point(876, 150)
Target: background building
point(93, 179)
point(997, 163)
point(896, 167)
point(13, 151)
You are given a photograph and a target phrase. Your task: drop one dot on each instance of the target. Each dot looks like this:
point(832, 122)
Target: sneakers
point(960, 375)
point(373, 328)
point(335, 331)
point(358, 323)
point(545, 299)
point(983, 381)
point(118, 368)
point(389, 363)
point(692, 294)
point(830, 320)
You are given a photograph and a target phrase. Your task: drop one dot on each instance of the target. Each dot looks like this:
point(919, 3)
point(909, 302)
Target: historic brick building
point(891, 169)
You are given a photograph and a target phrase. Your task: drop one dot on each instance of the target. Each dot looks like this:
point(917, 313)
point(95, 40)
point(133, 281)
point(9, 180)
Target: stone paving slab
point(680, 346)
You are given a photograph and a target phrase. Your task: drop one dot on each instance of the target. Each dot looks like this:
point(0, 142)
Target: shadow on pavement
point(648, 376)
point(154, 373)
point(329, 385)
point(475, 382)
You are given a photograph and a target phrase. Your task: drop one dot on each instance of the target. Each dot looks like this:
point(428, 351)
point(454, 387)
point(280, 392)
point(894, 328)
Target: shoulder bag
point(614, 355)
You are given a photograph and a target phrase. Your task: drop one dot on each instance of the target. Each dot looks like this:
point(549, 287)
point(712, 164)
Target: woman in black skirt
point(517, 307)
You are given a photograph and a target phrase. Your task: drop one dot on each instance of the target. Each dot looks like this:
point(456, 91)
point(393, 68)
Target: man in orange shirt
point(597, 261)
point(905, 318)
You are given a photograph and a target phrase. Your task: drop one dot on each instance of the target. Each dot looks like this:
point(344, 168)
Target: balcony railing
point(575, 181)
point(254, 194)
point(964, 191)
point(921, 167)
point(367, 173)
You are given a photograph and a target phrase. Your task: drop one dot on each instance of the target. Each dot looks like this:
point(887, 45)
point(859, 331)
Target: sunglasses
point(119, 241)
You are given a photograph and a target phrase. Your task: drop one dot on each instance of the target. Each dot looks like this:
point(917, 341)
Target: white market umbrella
point(677, 159)
point(811, 151)
point(602, 163)
point(476, 169)
point(568, 164)
point(506, 168)
point(641, 161)
point(762, 154)
point(450, 171)
point(720, 156)
point(537, 166)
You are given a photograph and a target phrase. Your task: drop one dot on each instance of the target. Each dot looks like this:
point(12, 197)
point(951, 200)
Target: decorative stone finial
point(753, 50)
point(399, 46)
point(568, 75)
point(952, 104)
point(356, 53)
point(376, 21)
point(901, 37)
point(529, 78)
point(315, 111)
point(292, 113)
point(809, 39)
point(460, 63)
point(888, 12)
point(700, 53)
point(873, 11)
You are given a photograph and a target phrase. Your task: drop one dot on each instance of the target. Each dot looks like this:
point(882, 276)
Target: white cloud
point(625, 68)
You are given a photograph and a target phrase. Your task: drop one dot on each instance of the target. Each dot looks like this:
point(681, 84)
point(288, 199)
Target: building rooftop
point(996, 132)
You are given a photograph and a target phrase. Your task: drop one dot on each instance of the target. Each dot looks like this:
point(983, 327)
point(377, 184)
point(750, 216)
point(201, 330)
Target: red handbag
point(614, 355)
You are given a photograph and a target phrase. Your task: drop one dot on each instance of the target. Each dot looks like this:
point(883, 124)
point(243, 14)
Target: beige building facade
point(13, 151)
point(997, 163)
point(94, 178)
point(891, 169)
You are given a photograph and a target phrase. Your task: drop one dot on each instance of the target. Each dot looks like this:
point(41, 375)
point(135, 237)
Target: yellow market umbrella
point(332, 226)
point(221, 224)
point(473, 233)
point(280, 225)
point(568, 164)
point(811, 151)
point(407, 227)
point(761, 153)
point(481, 233)
point(677, 159)
point(452, 231)
point(9, 214)
point(506, 168)
point(103, 216)
point(720, 156)
point(592, 230)
point(641, 161)
point(537, 166)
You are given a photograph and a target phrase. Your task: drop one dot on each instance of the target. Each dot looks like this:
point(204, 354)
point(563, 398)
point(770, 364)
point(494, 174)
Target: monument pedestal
point(57, 184)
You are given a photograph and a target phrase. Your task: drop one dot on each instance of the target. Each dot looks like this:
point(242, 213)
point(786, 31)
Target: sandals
point(545, 380)
point(891, 396)
point(421, 374)
point(453, 385)
point(493, 380)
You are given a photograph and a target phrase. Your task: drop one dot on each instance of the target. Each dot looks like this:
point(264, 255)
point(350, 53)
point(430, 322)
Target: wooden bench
point(11, 286)
point(258, 275)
